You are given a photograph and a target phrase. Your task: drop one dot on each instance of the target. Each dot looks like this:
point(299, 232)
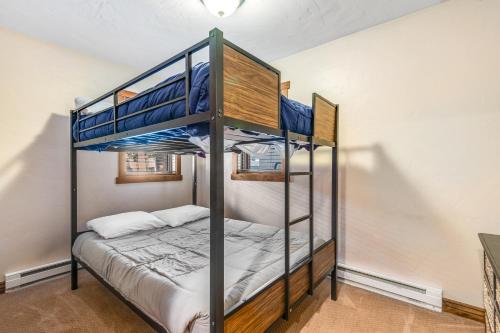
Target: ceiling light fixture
point(222, 8)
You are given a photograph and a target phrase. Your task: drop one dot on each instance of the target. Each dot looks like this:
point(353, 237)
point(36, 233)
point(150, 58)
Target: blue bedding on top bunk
point(295, 116)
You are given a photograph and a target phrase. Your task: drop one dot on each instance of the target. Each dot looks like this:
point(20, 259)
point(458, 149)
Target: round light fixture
point(222, 8)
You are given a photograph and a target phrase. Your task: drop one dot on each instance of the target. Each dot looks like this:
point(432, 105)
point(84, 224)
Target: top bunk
point(240, 90)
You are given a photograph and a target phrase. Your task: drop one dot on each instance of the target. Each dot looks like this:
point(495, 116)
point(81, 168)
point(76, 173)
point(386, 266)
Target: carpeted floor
point(53, 307)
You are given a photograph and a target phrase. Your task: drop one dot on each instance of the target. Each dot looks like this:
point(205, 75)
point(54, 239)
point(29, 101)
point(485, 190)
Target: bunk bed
point(237, 97)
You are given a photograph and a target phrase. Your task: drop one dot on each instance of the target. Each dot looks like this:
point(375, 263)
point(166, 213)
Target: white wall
point(38, 82)
point(420, 117)
point(263, 202)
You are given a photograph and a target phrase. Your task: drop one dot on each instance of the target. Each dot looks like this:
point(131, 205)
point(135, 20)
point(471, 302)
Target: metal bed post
point(187, 88)
point(287, 226)
point(311, 212)
point(216, 49)
point(115, 112)
point(74, 202)
point(195, 180)
point(187, 82)
point(335, 198)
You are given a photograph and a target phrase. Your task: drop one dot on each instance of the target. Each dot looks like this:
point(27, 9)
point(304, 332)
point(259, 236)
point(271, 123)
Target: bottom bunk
point(163, 273)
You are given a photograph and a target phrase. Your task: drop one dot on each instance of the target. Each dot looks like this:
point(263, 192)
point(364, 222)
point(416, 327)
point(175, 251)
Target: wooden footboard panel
point(268, 306)
point(259, 313)
point(325, 119)
point(324, 260)
point(251, 91)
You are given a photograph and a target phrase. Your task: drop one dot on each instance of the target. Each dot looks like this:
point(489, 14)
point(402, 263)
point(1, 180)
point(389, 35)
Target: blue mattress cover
point(295, 116)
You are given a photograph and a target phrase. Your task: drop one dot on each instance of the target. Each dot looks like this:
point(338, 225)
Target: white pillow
point(123, 224)
point(99, 106)
point(175, 217)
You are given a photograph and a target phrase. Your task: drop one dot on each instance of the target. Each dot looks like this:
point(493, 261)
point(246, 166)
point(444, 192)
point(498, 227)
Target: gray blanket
point(165, 272)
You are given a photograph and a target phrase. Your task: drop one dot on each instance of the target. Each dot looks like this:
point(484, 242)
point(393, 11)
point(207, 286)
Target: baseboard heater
point(37, 274)
point(426, 297)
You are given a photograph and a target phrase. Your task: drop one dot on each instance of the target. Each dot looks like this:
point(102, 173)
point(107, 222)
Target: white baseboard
point(426, 297)
point(37, 274)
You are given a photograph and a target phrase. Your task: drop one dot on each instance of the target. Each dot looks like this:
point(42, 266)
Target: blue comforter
point(295, 116)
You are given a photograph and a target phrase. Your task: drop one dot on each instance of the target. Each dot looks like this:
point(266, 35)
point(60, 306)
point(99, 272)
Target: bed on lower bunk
point(165, 271)
point(209, 274)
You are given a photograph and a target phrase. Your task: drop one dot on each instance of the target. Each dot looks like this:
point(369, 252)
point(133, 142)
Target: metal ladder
point(289, 222)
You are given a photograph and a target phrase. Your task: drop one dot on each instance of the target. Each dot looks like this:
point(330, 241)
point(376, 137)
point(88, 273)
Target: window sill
point(259, 176)
point(147, 179)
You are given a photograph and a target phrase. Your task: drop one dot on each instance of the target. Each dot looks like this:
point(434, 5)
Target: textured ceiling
point(142, 33)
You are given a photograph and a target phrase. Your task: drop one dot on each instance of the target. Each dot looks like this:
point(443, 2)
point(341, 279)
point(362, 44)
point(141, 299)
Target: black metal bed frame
point(217, 121)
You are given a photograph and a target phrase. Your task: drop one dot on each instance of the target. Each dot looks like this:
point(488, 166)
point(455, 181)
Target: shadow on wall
point(34, 197)
point(263, 202)
point(385, 220)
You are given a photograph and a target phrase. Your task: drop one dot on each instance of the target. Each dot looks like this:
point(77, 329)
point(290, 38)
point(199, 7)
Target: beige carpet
point(53, 307)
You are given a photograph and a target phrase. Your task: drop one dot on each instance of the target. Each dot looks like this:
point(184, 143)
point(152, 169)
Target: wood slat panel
point(251, 91)
point(299, 283)
point(324, 119)
point(259, 313)
point(2, 287)
point(323, 262)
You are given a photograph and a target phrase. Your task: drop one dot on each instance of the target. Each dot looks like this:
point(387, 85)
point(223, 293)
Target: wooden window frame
point(276, 176)
point(124, 178)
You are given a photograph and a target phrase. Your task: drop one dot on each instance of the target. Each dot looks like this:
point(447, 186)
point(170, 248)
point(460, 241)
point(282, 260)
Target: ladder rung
point(300, 219)
point(304, 173)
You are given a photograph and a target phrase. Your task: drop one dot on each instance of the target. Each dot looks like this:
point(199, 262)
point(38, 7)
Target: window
point(263, 168)
point(140, 167)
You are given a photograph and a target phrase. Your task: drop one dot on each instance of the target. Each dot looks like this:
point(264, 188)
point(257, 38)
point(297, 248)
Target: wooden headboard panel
point(251, 91)
point(285, 86)
point(325, 117)
point(124, 95)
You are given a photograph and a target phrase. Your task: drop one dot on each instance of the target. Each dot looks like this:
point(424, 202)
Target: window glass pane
point(269, 163)
point(144, 163)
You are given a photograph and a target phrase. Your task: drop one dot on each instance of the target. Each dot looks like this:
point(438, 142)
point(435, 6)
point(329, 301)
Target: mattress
point(165, 271)
point(295, 116)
